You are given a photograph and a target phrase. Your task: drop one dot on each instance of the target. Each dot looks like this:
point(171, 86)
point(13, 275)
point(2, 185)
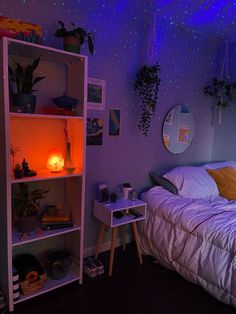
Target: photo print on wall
point(94, 131)
point(114, 122)
point(96, 94)
point(183, 134)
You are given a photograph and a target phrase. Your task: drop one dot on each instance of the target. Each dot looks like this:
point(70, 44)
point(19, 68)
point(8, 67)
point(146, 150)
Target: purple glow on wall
point(188, 34)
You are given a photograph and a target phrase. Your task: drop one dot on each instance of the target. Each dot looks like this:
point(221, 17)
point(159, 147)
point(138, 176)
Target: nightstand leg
point(113, 240)
point(124, 236)
point(136, 237)
point(100, 237)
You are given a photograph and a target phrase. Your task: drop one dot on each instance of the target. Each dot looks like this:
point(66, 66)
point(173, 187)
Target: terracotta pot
point(27, 224)
point(72, 44)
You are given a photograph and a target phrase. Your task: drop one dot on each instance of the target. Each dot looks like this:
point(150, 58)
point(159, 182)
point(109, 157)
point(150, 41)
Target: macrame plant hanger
point(152, 43)
point(224, 75)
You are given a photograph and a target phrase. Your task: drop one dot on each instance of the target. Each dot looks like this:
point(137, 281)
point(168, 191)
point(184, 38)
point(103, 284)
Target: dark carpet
point(132, 289)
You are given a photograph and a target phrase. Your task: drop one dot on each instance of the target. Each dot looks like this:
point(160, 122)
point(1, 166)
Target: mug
point(126, 187)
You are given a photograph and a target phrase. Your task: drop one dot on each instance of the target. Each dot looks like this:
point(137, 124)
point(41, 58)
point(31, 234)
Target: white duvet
point(195, 237)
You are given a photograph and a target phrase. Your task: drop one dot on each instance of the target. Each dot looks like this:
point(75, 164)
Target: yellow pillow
point(225, 179)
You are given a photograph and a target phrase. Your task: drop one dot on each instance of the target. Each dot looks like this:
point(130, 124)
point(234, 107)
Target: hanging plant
point(147, 84)
point(222, 91)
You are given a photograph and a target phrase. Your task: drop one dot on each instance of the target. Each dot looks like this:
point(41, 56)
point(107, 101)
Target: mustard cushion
point(225, 179)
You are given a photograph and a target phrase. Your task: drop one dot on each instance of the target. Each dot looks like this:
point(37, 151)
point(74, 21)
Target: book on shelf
point(56, 225)
point(56, 215)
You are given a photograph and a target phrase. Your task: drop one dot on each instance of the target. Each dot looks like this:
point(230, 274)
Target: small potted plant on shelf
point(26, 205)
point(23, 80)
point(73, 39)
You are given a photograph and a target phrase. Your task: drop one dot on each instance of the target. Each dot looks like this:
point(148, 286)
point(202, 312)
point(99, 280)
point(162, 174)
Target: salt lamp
point(55, 162)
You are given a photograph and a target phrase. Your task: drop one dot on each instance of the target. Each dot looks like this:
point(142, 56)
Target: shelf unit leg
point(100, 238)
point(136, 237)
point(113, 240)
point(124, 236)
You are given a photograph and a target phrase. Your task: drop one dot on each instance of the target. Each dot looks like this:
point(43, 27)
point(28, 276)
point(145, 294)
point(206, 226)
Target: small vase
point(69, 166)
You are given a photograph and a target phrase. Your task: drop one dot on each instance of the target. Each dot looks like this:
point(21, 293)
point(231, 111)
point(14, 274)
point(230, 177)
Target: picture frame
point(94, 134)
point(96, 94)
point(114, 122)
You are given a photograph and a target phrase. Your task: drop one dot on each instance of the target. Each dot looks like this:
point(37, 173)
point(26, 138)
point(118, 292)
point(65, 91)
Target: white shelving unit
point(35, 134)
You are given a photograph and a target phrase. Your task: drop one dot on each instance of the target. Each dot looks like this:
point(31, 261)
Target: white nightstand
point(132, 211)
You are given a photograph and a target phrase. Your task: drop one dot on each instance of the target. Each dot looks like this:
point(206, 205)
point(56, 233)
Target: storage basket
point(31, 274)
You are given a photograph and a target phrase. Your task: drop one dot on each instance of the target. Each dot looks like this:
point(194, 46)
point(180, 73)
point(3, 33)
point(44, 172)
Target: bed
point(192, 229)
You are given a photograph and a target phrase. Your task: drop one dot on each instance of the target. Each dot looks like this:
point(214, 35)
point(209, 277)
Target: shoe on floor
point(89, 268)
point(99, 266)
point(95, 263)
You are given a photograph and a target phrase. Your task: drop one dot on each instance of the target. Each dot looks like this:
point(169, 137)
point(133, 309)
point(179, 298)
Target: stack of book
point(57, 219)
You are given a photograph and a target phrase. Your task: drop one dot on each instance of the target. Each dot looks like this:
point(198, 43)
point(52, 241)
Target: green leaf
point(90, 44)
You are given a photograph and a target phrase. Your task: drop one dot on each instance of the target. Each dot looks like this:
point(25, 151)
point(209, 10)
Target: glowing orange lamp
point(55, 162)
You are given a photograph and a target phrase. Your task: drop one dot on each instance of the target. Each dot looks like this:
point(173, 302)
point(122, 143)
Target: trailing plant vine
point(147, 85)
point(222, 91)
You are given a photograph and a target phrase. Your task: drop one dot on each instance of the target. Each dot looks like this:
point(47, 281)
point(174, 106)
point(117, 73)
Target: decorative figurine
point(27, 172)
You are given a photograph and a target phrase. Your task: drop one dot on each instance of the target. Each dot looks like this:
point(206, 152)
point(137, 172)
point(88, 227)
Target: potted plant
point(222, 91)
point(26, 205)
point(147, 84)
point(24, 82)
point(75, 37)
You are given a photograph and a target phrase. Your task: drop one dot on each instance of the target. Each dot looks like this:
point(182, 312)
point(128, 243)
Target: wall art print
point(96, 94)
point(183, 134)
point(166, 140)
point(169, 118)
point(114, 122)
point(184, 109)
point(94, 131)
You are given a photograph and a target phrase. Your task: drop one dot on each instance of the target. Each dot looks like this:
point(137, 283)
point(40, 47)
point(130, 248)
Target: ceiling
point(210, 18)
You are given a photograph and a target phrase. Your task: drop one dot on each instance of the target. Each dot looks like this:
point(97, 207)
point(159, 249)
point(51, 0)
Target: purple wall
point(121, 47)
point(224, 147)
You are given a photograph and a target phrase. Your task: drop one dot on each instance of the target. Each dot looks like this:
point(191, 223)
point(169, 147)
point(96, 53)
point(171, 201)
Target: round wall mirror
point(178, 129)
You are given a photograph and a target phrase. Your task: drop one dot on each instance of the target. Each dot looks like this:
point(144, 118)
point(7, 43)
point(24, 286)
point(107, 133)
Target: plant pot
point(24, 103)
point(58, 264)
point(27, 224)
point(72, 43)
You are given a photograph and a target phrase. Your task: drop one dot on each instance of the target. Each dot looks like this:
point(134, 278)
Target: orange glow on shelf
point(55, 162)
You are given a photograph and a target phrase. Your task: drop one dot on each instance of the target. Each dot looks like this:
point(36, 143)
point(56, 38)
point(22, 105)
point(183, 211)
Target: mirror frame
point(181, 124)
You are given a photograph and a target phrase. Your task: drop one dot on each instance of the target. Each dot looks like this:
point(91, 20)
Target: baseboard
point(107, 245)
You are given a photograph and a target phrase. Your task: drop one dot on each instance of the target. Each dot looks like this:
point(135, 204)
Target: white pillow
point(220, 164)
point(192, 182)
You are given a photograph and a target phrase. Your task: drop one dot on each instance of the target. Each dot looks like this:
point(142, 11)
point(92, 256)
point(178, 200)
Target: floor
point(133, 288)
